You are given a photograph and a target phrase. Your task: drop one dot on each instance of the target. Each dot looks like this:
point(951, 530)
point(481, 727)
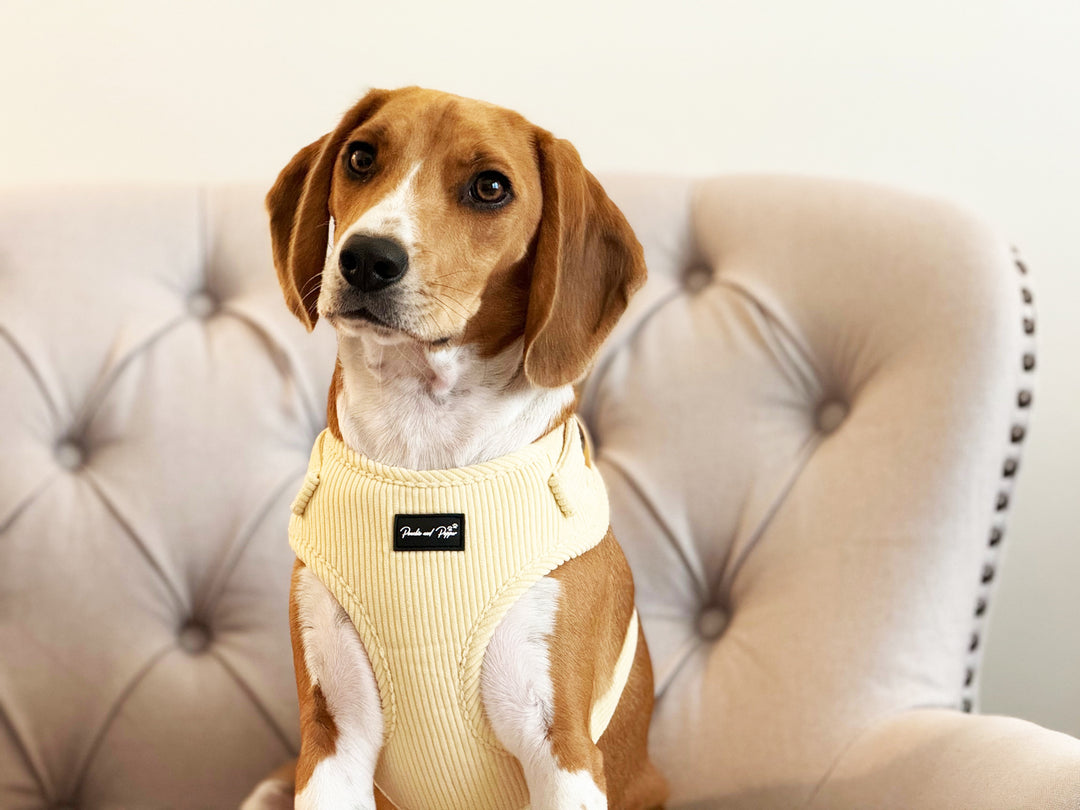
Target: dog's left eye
point(360, 158)
point(490, 189)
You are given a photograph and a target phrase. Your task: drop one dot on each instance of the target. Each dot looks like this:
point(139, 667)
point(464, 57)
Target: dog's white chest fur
point(436, 408)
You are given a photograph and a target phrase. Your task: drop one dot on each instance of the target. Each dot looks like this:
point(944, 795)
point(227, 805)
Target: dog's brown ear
point(299, 206)
point(588, 264)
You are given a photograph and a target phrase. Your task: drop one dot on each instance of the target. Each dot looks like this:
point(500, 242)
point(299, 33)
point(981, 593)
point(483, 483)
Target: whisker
point(448, 275)
point(420, 370)
point(313, 284)
point(434, 324)
point(379, 377)
point(445, 304)
point(455, 289)
point(450, 297)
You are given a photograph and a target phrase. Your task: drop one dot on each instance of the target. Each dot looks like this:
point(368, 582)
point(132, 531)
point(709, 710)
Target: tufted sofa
point(810, 423)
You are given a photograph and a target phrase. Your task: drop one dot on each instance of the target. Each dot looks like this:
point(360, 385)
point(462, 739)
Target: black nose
point(372, 262)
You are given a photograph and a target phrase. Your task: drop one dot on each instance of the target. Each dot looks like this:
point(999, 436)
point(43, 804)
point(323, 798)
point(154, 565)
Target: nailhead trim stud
point(1008, 472)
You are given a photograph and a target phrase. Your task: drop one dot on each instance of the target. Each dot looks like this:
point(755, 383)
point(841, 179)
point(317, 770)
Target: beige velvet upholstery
point(809, 423)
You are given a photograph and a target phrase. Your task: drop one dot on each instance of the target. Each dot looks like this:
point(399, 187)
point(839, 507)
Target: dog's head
point(453, 221)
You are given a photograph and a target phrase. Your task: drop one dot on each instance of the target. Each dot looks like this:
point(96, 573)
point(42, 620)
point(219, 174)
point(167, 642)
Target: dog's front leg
point(563, 767)
point(341, 722)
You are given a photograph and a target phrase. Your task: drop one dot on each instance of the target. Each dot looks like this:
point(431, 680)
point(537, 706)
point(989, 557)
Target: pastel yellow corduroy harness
point(426, 563)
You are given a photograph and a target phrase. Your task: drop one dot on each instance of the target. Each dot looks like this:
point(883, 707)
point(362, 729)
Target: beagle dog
point(471, 268)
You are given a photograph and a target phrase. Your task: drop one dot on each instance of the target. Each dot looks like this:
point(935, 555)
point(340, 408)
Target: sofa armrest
point(936, 759)
point(811, 439)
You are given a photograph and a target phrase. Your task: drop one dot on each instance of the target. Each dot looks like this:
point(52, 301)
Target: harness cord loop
point(307, 489)
point(561, 485)
point(562, 497)
point(586, 443)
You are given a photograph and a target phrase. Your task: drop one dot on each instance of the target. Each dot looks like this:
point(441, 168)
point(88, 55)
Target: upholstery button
point(201, 304)
point(995, 536)
point(830, 415)
point(194, 638)
point(697, 279)
point(711, 623)
point(69, 455)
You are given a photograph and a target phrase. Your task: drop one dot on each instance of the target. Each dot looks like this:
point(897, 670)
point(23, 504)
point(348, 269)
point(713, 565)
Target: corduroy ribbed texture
point(426, 617)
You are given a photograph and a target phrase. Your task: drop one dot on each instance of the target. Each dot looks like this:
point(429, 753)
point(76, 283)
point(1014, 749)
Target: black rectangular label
point(429, 532)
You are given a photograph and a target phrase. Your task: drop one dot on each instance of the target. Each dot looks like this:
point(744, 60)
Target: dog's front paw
point(565, 790)
point(341, 802)
point(330, 791)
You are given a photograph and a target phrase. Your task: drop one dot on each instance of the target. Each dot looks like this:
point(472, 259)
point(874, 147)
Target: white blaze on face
point(394, 216)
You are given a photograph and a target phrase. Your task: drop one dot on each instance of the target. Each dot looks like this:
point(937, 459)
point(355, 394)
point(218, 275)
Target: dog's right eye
point(360, 158)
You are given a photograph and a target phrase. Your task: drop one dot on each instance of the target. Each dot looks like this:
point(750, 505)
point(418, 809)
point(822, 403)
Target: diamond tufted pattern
point(809, 423)
point(157, 414)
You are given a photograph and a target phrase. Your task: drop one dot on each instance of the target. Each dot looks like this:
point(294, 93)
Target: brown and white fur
point(470, 354)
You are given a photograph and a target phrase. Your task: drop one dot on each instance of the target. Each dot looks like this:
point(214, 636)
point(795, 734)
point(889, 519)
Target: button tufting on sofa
point(70, 455)
point(831, 415)
point(712, 622)
point(697, 279)
point(202, 304)
point(194, 637)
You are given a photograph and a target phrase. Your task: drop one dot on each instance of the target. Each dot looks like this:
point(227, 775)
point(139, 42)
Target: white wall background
point(975, 100)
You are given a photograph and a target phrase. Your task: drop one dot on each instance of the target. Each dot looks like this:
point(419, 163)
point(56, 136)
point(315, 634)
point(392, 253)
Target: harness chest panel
point(426, 564)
